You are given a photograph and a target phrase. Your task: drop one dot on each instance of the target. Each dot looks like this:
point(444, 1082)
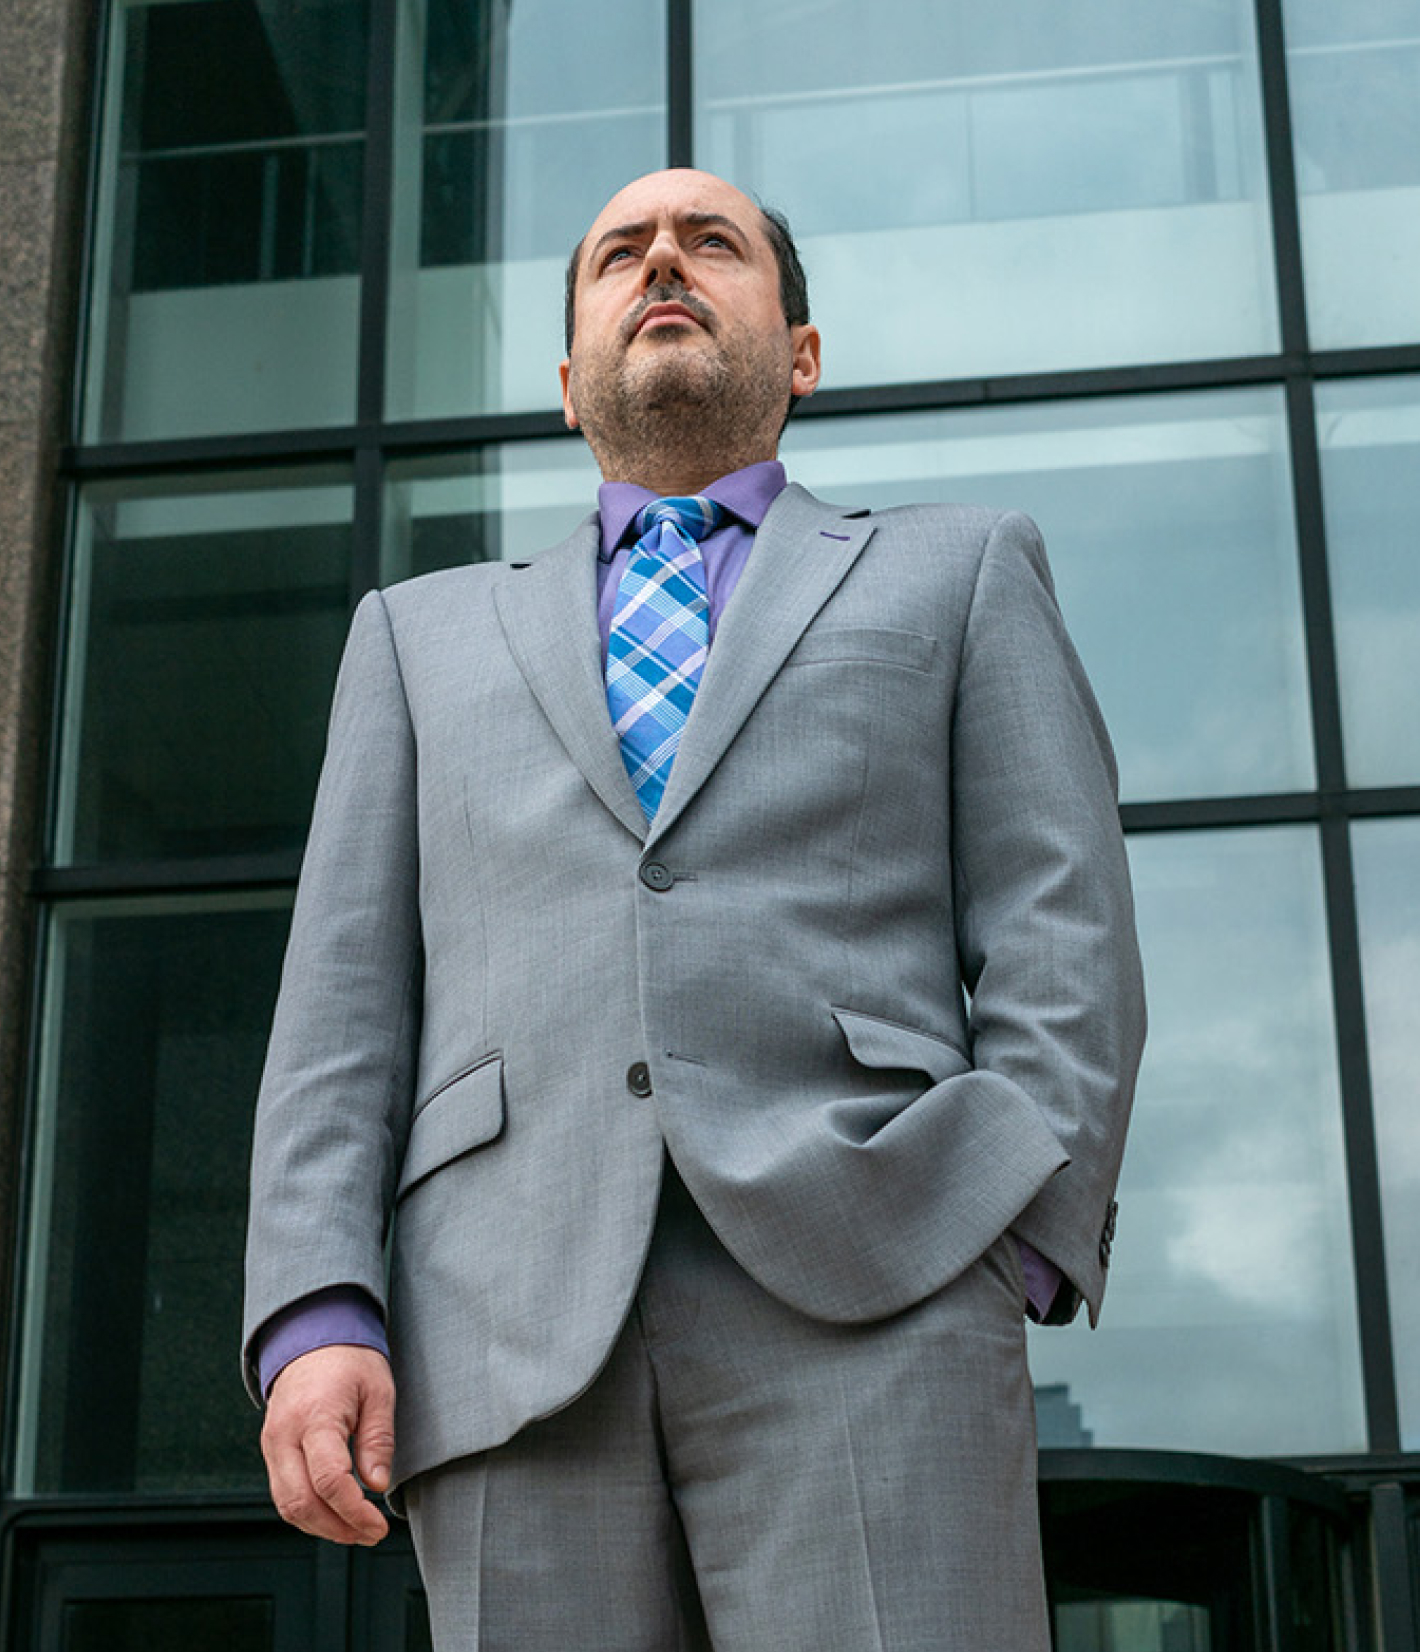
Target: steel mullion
point(1366, 361)
point(1348, 1006)
point(680, 83)
point(1282, 177)
point(416, 436)
point(207, 875)
point(375, 282)
point(378, 206)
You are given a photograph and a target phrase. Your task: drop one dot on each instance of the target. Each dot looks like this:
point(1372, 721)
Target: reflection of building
point(1059, 1420)
point(1149, 271)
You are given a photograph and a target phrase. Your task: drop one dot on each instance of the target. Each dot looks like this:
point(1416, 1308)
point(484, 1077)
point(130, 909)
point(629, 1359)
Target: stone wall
point(45, 54)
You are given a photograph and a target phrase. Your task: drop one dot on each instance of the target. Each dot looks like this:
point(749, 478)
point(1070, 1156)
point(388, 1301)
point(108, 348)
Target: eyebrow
point(690, 220)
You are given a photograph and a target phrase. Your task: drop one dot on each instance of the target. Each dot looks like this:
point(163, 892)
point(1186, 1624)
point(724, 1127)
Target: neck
point(670, 480)
point(674, 471)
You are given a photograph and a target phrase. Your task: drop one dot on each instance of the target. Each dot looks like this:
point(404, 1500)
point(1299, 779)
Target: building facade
point(279, 321)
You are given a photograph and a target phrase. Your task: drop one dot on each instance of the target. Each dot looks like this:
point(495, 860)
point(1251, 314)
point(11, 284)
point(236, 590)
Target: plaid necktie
point(659, 635)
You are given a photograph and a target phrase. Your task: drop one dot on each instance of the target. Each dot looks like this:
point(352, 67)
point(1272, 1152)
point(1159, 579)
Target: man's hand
point(316, 1405)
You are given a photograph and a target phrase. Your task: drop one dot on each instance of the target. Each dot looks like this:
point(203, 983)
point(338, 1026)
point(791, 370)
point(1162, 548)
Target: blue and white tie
point(659, 635)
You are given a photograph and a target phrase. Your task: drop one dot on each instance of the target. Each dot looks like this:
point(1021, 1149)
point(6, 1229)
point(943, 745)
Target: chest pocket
point(867, 643)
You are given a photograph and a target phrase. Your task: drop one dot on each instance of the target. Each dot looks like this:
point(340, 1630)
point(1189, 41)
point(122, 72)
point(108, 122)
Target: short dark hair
point(793, 284)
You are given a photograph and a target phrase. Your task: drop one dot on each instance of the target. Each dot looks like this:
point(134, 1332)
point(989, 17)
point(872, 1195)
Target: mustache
point(670, 292)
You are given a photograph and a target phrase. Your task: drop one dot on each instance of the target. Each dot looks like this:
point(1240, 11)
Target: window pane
point(155, 1021)
point(1388, 900)
point(515, 124)
point(167, 1625)
point(228, 218)
point(207, 621)
point(1231, 1318)
point(1354, 72)
point(506, 501)
point(1169, 525)
point(1370, 470)
point(1141, 1625)
point(986, 189)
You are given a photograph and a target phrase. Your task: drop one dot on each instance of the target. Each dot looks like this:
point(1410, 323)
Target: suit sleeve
point(1044, 912)
point(336, 1094)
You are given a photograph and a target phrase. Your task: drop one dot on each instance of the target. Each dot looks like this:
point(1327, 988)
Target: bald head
point(772, 225)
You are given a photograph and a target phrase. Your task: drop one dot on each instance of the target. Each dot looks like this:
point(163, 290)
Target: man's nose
point(664, 262)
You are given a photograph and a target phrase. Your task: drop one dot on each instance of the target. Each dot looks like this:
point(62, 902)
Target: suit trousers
point(743, 1478)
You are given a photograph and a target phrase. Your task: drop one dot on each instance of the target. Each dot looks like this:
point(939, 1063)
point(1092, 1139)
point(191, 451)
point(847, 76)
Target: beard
point(717, 401)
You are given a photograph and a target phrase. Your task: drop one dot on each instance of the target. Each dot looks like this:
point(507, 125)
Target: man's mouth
point(669, 312)
point(659, 314)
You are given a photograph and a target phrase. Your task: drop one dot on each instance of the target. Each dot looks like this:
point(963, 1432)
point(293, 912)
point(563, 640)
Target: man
point(629, 980)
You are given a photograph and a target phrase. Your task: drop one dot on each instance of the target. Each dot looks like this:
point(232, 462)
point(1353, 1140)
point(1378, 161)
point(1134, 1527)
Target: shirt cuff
point(339, 1314)
point(1042, 1281)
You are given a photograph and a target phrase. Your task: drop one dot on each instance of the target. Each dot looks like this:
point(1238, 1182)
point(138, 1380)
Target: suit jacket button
point(657, 877)
point(1107, 1235)
point(638, 1079)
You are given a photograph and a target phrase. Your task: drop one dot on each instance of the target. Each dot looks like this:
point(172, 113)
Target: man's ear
point(807, 365)
point(569, 413)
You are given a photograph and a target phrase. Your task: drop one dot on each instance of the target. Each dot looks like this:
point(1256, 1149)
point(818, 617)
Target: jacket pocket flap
point(466, 1113)
point(888, 1044)
point(822, 643)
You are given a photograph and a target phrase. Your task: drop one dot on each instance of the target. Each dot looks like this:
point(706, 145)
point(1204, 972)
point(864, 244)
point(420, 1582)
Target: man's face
point(678, 306)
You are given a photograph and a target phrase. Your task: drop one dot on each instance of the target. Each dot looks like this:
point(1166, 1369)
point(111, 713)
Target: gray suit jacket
point(503, 994)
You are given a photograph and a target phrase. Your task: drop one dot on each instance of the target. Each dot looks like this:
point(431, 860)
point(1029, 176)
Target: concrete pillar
point(46, 48)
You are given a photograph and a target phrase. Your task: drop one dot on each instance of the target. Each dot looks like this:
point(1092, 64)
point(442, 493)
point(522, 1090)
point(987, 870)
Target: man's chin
point(673, 378)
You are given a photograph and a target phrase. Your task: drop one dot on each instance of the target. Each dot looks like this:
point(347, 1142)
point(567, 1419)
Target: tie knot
point(695, 517)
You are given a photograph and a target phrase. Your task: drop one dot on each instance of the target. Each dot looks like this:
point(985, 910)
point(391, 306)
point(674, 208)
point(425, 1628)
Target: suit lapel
point(548, 613)
point(801, 552)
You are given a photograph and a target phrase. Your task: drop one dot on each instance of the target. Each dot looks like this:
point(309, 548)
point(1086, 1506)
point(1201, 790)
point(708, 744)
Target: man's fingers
point(374, 1436)
point(327, 1459)
point(297, 1500)
point(314, 1488)
point(316, 1405)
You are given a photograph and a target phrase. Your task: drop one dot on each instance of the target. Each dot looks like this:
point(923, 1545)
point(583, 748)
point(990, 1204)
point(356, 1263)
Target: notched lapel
point(548, 610)
point(801, 553)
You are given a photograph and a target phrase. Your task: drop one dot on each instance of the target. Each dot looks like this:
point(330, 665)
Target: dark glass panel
point(508, 501)
point(227, 106)
point(155, 1027)
point(283, 215)
point(237, 71)
point(206, 634)
point(1141, 1566)
point(417, 1637)
point(228, 218)
point(168, 1626)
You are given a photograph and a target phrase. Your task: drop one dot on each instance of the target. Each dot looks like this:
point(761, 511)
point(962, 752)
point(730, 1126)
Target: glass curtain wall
point(1046, 251)
point(1388, 887)
point(228, 225)
point(1168, 520)
point(1002, 189)
point(1354, 74)
point(1170, 525)
point(514, 121)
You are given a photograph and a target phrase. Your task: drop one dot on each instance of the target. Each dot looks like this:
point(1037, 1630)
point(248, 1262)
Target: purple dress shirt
point(347, 1314)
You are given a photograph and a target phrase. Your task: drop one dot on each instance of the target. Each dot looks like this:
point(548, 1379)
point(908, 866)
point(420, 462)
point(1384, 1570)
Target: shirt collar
point(747, 494)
